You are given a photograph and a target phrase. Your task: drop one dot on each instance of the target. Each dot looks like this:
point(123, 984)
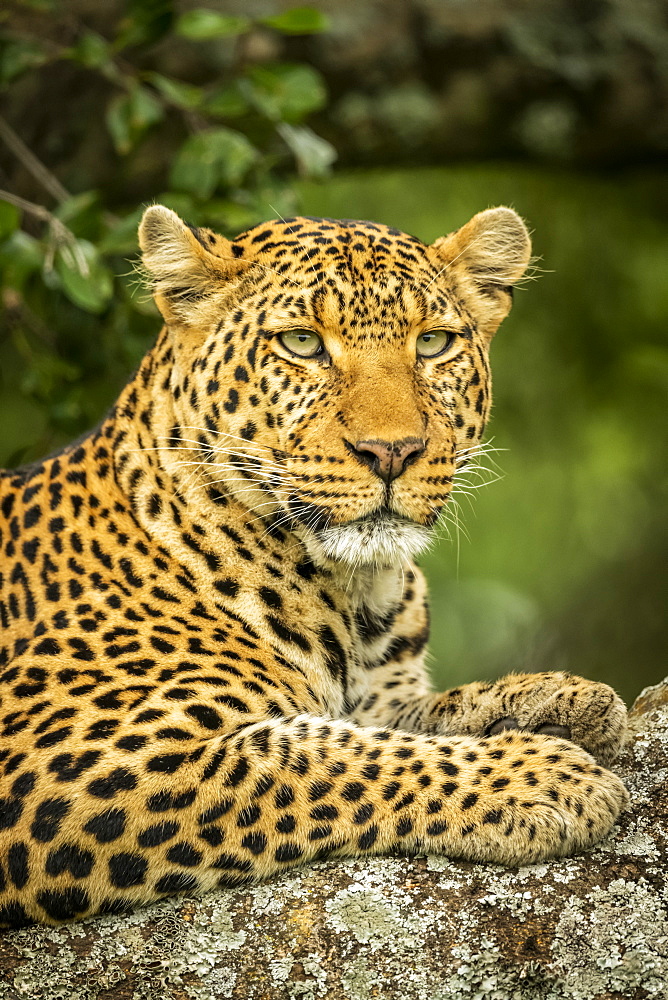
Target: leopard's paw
point(557, 704)
point(542, 798)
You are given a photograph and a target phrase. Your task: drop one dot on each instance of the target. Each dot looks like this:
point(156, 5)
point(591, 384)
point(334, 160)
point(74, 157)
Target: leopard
point(213, 624)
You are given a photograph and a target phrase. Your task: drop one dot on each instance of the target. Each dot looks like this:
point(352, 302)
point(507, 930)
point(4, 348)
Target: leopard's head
point(333, 374)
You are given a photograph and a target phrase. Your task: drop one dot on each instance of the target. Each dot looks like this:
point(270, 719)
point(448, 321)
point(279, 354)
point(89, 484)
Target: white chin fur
point(387, 541)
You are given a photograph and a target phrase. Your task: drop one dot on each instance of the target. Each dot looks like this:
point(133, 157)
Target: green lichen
point(376, 918)
point(623, 936)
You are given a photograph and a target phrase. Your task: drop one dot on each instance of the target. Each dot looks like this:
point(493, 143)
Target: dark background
point(417, 113)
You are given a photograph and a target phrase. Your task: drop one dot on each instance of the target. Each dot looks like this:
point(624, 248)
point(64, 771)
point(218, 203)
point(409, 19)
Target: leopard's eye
point(303, 343)
point(434, 342)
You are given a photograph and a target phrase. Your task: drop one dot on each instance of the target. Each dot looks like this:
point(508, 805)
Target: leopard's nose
point(388, 459)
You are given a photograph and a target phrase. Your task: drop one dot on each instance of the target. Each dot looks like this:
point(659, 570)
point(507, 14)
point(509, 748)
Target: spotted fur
point(211, 657)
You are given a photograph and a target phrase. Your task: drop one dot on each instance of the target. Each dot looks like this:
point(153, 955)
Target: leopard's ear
point(184, 264)
point(494, 247)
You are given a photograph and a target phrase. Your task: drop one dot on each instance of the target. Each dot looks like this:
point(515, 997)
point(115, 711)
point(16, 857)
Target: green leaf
point(207, 159)
point(200, 25)
point(10, 219)
point(313, 154)
point(19, 57)
point(119, 122)
point(227, 102)
point(90, 50)
point(83, 277)
point(20, 256)
point(298, 21)
point(183, 95)
point(130, 115)
point(146, 109)
point(286, 91)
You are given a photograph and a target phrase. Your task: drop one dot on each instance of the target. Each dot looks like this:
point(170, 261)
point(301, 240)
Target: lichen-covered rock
point(594, 927)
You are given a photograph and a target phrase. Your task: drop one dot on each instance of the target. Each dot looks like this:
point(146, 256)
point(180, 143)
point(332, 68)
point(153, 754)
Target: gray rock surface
point(594, 927)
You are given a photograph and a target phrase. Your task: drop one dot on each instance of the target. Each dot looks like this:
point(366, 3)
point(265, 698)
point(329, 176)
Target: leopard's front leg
point(102, 836)
point(551, 703)
point(558, 704)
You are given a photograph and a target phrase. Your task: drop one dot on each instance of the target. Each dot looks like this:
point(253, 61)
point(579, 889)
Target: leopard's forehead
point(327, 232)
point(350, 248)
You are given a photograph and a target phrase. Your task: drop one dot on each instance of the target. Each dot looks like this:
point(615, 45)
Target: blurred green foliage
point(72, 326)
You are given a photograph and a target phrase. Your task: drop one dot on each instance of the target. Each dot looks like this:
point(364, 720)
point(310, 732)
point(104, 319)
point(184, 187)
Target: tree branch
point(31, 163)
point(61, 234)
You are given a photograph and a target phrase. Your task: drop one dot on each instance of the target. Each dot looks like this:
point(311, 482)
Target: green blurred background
point(233, 112)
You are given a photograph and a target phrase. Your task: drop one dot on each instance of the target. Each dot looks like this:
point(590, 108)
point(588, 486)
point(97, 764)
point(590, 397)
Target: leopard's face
point(332, 375)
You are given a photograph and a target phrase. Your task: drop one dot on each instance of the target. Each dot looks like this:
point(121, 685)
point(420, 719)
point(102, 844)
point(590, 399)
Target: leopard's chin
point(381, 540)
